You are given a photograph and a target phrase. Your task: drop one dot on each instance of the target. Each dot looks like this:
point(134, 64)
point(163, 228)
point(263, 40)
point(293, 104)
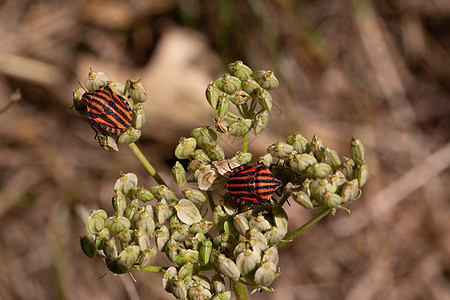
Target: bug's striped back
point(265, 183)
point(241, 185)
point(110, 111)
point(252, 184)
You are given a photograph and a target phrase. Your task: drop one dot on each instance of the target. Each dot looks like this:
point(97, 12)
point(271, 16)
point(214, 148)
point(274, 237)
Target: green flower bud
point(195, 196)
point(96, 221)
point(110, 249)
point(162, 237)
point(126, 183)
point(223, 106)
point(303, 199)
point(280, 150)
point(225, 295)
point(299, 142)
point(187, 270)
point(332, 158)
point(317, 148)
point(199, 292)
point(168, 276)
point(259, 223)
point(139, 117)
point(215, 152)
point(147, 257)
point(251, 87)
point(179, 289)
point(265, 99)
point(172, 250)
point(201, 155)
point(240, 127)
point(228, 84)
point(129, 255)
point(248, 261)
point(271, 254)
point(362, 174)
point(188, 256)
point(162, 211)
point(117, 267)
point(266, 79)
point(78, 103)
point(145, 223)
point(107, 143)
point(275, 235)
point(205, 251)
point(126, 236)
point(136, 90)
point(187, 212)
point(95, 80)
point(260, 122)
point(212, 95)
point(267, 160)
point(320, 187)
point(119, 203)
point(221, 125)
point(162, 192)
point(318, 170)
point(88, 245)
point(239, 98)
point(118, 87)
point(239, 70)
point(130, 135)
point(338, 179)
point(350, 191)
point(218, 283)
point(143, 194)
point(280, 217)
point(357, 151)
point(185, 148)
point(241, 158)
point(101, 238)
point(241, 224)
point(204, 136)
point(259, 240)
point(218, 217)
point(227, 267)
point(179, 233)
point(300, 162)
point(330, 200)
point(347, 167)
point(116, 224)
point(201, 227)
point(266, 273)
point(132, 207)
point(179, 174)
point(174, 222)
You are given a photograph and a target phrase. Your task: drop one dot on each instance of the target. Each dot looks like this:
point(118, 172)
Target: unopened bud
point(275, 235)
point(317, 147)
point(126, 236)
point(162, 192)
point(215, 152)
point(212, 94)
point(265, 99)
point(139, 117)
point(259, 223)
point(357, 151)
point(179, 174)
point(242, 158)
point(299, 142)
point(119, 202)
point(187, 212)
point(248, 261)
point(116, 224)
point(88, 245)
point(96, 221)
point(227, 267)
point(136, 90)
point(260, 122)
point(251, 87)
point(185, 148)
point(204, 136)
point(228, 84)
point(205, 251)
point(239, 70)
point(300, 162)
point(240, 127)
point(130, 135)
point(107, 143)
point(126, 183)
point(280, 149)
point(223, 106)
point(162, 237)
point(332, 158)
point(266, 273)
point(96, 80)
point(318, 170)
point(362, 174)
point(266, 79)
point(147, 257)
point(201, 227)
point(303, 199)
point(241, 224)
point(118, 87)
point(350, 191)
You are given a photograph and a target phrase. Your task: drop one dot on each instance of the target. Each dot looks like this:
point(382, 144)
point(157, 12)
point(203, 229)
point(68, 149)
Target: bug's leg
point(96, 129)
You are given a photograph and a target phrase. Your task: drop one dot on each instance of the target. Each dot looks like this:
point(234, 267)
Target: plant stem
point(245, 143)
point(146, 163)
point(240, 290)
point(305, 226)
point(210, 200)
point(150, 269)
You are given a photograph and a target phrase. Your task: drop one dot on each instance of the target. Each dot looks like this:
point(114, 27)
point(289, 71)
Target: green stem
point(7, 106)
point(146, 164)
point(245, 143)
point(211, 200)
point(150, 269)
point(305, 226)
point(240, 290)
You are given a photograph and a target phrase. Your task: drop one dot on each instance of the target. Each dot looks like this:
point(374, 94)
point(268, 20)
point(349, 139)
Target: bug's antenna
point(78, 81)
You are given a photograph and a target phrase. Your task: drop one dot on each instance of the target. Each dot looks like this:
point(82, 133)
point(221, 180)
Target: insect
point(108, 111)
point(252, 184)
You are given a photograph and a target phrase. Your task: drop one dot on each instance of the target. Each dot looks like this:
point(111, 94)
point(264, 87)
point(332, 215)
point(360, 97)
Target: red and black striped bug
point(252, 185)
point(108, 111)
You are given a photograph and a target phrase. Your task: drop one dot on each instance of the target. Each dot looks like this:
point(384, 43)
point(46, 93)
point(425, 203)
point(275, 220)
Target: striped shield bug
point(252, 184)
point(108, 111)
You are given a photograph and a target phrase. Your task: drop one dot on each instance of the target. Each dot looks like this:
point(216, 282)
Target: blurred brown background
point(379, 70)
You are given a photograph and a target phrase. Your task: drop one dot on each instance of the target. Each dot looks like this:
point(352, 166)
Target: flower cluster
point(211, 241)
point(136, 96)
